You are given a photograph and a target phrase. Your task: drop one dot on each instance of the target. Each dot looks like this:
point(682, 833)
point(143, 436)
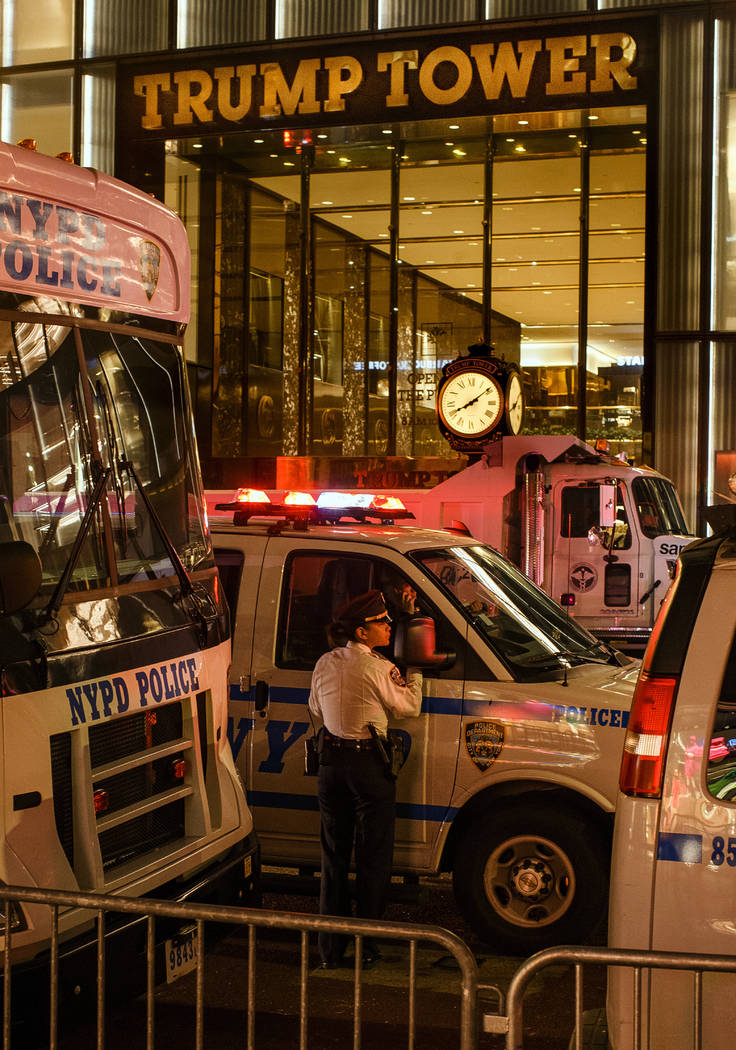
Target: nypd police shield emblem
point(483, 741)
point(150, 266)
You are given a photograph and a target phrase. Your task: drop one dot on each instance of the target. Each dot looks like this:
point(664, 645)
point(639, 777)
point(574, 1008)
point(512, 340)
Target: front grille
point(128, 841)
point(132, 762)
point(61, 779)
point(126, 736)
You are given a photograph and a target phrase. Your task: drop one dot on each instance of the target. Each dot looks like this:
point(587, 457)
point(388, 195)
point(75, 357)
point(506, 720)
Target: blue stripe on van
point(688, 849)
point(405, 810)
point(440, 705)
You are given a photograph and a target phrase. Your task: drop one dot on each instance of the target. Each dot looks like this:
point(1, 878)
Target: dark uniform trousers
point(357, 804)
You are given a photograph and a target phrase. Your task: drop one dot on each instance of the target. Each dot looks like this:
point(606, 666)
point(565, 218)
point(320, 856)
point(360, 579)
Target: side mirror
point(414, 644)
point(20, 576)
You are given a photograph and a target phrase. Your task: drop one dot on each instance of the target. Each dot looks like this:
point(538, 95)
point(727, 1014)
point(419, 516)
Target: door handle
point(261, 701)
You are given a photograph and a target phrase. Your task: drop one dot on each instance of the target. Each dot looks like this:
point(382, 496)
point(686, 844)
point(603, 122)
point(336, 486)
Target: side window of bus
point(580, 512)
point(721, 767)
point(230, 568)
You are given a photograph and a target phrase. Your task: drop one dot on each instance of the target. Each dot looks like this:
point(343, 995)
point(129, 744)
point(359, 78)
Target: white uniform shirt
point(353, 687)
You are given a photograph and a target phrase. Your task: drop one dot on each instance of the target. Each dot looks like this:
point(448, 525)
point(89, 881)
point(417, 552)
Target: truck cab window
point(580, 512)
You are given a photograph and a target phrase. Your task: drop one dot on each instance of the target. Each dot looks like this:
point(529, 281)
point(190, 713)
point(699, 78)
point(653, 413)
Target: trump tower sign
point(483, 71)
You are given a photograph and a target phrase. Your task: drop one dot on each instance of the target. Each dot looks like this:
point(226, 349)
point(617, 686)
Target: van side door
point(694, 900)
point(302, 587)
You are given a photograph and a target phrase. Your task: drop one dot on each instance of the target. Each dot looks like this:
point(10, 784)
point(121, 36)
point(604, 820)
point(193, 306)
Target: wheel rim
point(529, 881)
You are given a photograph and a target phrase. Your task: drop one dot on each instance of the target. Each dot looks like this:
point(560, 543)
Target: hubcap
point(529, 881)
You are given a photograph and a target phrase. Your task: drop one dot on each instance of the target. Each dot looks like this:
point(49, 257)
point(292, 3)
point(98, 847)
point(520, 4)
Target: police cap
point(363, 609)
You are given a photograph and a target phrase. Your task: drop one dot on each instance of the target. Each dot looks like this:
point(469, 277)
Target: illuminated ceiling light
point(322, 136)
point(631, 302)
point(258, 142)
point(344, 160)
point(636, 132)
point(523, 122)
point(454, 127)
point(643, 142)
point(288, 163)
point(546, 293)
point(511, 140)
point(449, 143)
point(459, 153)
point(459, 231)
point(273, 156)
point(592, 116)
point(409, 198)
point(430, 262)
point(383, 235)
point(346, 216)
point(576, 189)
point(572, 136)
point(519, 149)
point(427, 211)
point(387, 131)
point(197, 145)
point(327, 203)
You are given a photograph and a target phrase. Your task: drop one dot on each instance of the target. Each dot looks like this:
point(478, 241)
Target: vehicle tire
point(530, 877)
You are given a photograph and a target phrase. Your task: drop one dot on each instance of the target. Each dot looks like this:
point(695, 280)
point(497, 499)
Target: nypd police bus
point(114, 638)
point(511, 775)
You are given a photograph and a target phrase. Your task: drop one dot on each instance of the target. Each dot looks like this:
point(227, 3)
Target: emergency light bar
point(329, 508)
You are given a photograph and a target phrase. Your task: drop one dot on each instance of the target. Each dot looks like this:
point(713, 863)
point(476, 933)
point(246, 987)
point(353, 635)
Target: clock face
point(470, 403)
point(514, 404)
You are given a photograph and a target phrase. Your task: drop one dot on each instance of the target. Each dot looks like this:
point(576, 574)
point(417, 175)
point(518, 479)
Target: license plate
point(181, 954)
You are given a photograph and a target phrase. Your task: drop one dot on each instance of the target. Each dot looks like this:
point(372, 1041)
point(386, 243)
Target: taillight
point(645, 747)
point(101, 800)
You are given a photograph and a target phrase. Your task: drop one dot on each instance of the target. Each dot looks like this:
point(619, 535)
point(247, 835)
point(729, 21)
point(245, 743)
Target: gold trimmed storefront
point(369, 191)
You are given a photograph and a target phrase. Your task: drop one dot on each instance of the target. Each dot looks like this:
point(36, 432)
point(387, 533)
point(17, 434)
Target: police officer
point(354, 688)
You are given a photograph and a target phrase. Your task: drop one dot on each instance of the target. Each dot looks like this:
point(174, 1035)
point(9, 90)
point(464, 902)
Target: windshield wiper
point(94, 502)
point(560, 655)
point(202, 606)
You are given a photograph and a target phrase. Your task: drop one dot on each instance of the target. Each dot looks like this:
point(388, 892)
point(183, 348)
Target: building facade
point(370, 187)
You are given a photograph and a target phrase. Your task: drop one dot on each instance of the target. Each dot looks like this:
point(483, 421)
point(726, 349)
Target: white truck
point(510, 779)
point(601, 537)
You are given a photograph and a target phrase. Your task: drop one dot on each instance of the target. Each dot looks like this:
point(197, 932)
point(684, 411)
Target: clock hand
point(472, 400)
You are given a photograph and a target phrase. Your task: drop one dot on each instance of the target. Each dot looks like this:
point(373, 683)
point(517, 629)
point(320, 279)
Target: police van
point(510, 780)
point(673, 876)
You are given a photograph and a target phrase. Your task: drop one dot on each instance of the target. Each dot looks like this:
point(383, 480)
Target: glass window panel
point(377, 352)
point(392, 13)
point(37, 31)
point(295, 18)
point(38, 105)
point(98, 119)
point(137, 26)
point(202, 23)
point(615, 336)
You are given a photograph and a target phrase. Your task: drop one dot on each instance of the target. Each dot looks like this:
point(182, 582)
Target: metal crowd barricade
point(151, 910)
point(511, 1023)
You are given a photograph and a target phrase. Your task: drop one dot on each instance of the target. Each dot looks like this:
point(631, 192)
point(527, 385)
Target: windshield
point(659, 508)
point(520, 622)
point(75, 401)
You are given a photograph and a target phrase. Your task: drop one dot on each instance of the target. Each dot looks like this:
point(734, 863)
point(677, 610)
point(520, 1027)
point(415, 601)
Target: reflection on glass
point(529, 630)
point(62, 423)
